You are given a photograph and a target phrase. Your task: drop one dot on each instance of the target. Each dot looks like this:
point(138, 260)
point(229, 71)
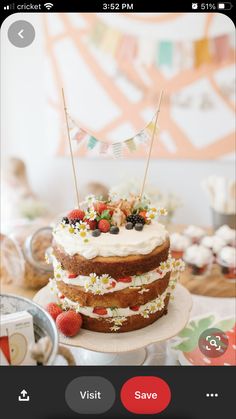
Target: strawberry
point(71, 276)
point(76, 214)
point(113, 284)
point(69, 323)
point(4, 347)
point(126, 279)
point(104, 226)
point(135, 308)
point(101, 311)
point(54, 310)
point(100, 207)
point(92, 224)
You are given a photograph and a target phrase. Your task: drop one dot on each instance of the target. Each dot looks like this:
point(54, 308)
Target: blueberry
point(138, 226)
point(114, 230)
point(129, 226)
point(96, 233)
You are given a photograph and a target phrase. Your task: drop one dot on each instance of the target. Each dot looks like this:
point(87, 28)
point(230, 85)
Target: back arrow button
point(20, 33)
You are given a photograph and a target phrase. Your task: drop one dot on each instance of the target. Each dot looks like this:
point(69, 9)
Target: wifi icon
point(48, 6)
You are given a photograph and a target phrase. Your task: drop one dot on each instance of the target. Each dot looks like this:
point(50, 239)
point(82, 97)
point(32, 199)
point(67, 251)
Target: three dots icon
point(212, 394)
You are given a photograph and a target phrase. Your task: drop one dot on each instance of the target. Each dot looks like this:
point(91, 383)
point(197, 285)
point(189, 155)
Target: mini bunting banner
point(116, 149)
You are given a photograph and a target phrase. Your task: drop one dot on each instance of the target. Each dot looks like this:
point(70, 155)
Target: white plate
point(164, 328)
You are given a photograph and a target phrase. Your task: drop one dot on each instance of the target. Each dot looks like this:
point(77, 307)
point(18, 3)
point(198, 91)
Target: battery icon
point(224, 6)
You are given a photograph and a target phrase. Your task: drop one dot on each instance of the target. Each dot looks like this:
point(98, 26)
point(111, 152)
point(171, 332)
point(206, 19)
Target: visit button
point(145, 395)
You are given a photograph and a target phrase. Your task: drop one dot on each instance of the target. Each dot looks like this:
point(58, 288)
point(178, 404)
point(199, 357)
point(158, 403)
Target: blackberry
point(75, 220)
point(135, 219)
point(66, 220)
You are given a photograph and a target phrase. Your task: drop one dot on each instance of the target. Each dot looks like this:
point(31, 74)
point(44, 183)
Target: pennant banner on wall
point(167, 53)
point(116, 149)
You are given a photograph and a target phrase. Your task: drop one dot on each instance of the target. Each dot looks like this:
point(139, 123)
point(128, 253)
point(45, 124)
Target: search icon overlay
point(213, 343)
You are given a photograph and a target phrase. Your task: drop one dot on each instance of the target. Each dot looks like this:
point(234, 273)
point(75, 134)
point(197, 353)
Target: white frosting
point(105, 284)
point(113, 312)
point(227, 256)
point(214, 243)
point(179, 242)
point(127, 242)
point(198, 255)
point(194, 232)
point(227, 234)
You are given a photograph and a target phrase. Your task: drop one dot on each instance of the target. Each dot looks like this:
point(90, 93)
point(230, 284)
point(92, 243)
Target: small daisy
point(93, 278)
point(90, 199)
point(162, 211)
point(145, 314)
point(105, 279)
point(91, 214)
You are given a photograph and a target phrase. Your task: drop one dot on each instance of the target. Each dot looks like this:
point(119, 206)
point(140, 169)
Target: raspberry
point(100, 207)
point(54, 310)
point(69, 323)
point(104, 226)
point(76, 214)
point(101, 311)
point(143, 214)
point(92, 224)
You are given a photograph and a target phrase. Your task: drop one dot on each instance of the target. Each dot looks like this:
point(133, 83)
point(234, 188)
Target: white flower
point(90, 199)
point(145, 313)
point(91, 214)
point(93, 278)
point(114, 328)
point(162, 211)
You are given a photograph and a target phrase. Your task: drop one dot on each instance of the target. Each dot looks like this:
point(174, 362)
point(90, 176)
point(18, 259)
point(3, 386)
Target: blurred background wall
point(112, 90)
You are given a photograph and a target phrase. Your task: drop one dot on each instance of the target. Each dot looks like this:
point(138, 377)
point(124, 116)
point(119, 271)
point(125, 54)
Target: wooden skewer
point(70, 146)
point(151, 145)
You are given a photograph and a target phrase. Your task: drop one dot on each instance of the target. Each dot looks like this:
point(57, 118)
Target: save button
point(145, 395)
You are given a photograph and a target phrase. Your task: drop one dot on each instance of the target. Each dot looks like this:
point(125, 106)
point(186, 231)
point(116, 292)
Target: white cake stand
point(128, 348)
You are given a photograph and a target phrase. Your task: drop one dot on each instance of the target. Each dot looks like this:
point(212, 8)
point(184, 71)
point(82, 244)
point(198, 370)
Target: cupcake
point(178, 244)
point(227, 234)
point(194, 233)
point(227, 261)
point(198, 258)
point(214, 243)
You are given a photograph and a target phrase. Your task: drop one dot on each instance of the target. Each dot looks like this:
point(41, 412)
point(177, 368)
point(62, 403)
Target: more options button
point(90, 395)
point(145, 395)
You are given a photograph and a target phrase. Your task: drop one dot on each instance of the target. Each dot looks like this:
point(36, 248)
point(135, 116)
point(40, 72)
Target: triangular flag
point(117, 150)
point(165, 53)
point(103, 148)
point(92, 141)
point(130, 144)
point(202, 52)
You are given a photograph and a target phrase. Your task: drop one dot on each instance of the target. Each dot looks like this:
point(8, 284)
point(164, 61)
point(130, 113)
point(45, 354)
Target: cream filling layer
point(113, 312)
point(105, 284)
point(127, 242)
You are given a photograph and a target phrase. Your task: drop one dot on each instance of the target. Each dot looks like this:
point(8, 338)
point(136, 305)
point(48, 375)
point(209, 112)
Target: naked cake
point(112, 264)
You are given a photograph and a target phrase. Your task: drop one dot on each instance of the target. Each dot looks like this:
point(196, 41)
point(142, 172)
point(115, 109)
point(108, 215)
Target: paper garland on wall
point(161, 53)
point(116, 149)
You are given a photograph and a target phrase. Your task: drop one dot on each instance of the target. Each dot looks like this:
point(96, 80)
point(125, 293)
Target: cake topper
point(151, 144)
point(71, 152)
